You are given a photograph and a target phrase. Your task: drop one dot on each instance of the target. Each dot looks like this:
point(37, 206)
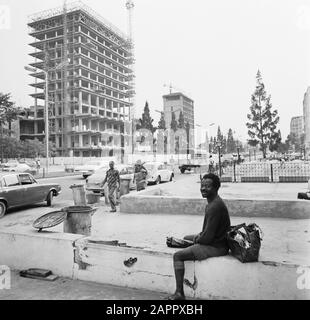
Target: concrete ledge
point(215, 278)
point(154, 202)
point(30, 249)
point(82, 258)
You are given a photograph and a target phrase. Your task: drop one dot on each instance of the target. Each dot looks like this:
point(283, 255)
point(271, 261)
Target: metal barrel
point(78, 219)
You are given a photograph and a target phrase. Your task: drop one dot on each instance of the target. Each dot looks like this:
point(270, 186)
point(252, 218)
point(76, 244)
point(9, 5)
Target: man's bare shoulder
point(216, 205)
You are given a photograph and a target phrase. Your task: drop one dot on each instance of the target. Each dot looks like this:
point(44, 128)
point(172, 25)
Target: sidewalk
point(190, 187)
point(67, 289)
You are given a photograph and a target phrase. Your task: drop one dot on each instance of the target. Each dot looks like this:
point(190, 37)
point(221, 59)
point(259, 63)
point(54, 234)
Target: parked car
point(31, 163)
point(18, 167)
point(19, 189)
point(9, 163)
point(93, 182)
point(90, 167)
point(158, 172)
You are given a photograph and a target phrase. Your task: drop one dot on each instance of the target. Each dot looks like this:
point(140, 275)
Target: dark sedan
point(20, 189)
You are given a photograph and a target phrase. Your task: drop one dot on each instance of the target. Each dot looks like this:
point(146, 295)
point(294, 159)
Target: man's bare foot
point(176, 296)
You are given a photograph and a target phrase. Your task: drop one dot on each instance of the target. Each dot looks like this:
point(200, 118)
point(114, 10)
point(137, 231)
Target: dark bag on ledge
point(244, 241)
point(173, 242)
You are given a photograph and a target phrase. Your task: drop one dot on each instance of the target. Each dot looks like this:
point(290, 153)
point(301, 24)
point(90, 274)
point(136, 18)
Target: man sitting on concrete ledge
point(211, 242)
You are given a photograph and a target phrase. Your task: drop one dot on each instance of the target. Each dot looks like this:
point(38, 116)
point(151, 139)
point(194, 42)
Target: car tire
point(49, 199)
point(2, 209)
point(172, 176)
point(182, 170)
point(158, 180)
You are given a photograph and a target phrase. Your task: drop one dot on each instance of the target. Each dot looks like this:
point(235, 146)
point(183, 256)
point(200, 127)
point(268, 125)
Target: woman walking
point(140, 176)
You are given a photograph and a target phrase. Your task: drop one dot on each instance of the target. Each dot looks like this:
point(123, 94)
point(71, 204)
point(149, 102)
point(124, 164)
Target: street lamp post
point(46, 121)
point(208, 130)
point(219, 150)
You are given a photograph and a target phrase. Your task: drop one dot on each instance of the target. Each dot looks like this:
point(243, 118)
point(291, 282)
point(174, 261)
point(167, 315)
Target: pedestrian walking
point(38, 164)
point(140, 176)
point(113, 180)
point(211, 165)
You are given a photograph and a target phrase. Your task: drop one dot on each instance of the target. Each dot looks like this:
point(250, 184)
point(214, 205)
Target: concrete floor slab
point(67, 289)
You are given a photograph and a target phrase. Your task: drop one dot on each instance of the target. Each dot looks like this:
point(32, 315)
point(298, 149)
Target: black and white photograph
point(155, 151)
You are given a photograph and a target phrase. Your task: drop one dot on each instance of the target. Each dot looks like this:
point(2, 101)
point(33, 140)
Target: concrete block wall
point(153, 202)
point(82, 258)
point(30, 249)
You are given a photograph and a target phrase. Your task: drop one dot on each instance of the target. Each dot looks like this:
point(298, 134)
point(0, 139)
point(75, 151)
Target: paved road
point(67, 181)
point(67, 289)
point(26, 215)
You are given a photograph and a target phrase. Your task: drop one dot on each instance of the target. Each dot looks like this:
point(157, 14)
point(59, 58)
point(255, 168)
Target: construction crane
point(175, 88)
point(131, 92)
point(129, 6)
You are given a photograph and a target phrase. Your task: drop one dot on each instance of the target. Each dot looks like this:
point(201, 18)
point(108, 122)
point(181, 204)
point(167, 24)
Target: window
point(11, 180)
point(25, 179)
point(84, 73)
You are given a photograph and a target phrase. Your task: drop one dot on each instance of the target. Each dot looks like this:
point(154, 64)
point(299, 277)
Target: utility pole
point(46, 128)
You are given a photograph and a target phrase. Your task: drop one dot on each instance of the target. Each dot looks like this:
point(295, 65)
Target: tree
point(8, 110)
point(294, 141)
point(6, 105)
point(275, 142)
point(146, 122)
point(162, 126)
point(231, 144)
point(181, 123)
point(162, 123)
point(263, 121)
point(174, 123)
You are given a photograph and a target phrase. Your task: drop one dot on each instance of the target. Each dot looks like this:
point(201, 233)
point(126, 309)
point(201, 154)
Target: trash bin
point(78, 220)
point(124, 185)
point(79, 194)
point(93, 198)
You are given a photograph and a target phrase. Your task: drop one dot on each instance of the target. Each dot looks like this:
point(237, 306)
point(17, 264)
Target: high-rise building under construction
point(85, 63)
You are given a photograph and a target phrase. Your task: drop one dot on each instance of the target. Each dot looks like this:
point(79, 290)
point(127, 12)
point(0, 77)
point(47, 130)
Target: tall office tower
point(297, 126)
point(177, 103)
point(306, 115)
point(86, 61)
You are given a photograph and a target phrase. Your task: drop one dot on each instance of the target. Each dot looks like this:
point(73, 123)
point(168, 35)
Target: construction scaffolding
point(72, 7)
point(82, 55)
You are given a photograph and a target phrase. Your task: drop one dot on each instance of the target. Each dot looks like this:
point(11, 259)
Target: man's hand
point(196, 238)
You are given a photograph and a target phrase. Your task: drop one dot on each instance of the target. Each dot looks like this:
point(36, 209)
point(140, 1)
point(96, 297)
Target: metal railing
point(266, 172)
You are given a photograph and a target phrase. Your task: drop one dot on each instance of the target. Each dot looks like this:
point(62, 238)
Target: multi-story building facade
point(87, 64)
point(297, 126)
point(177, 103)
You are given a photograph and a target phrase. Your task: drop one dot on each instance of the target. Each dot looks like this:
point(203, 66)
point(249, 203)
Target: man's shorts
point(201, 252)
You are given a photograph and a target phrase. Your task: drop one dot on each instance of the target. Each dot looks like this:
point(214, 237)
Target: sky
point(209, 50)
